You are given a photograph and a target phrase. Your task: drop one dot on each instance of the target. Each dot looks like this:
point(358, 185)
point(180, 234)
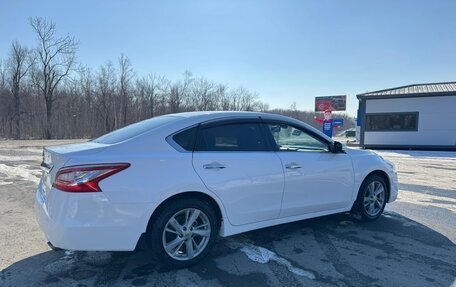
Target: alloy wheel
point(374, 198)
point(186, 234)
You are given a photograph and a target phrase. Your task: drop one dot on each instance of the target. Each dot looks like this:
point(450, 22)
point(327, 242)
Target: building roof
point(416, 90)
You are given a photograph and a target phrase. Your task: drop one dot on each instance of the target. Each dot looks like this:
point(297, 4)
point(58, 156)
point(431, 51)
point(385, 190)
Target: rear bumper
point(89, 221)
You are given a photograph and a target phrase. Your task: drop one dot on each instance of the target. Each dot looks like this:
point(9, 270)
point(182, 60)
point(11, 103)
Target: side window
point(186, 139)
point(231, 137)
point(407, 121)
point(289, 138)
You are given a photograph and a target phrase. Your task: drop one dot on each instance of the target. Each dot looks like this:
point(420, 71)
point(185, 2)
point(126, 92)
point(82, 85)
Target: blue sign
point(358, 119)
point(338, 122)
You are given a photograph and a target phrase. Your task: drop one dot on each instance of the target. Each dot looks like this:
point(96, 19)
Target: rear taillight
point(85, 178)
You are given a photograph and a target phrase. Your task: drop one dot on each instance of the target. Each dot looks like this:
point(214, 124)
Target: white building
point(421, 116)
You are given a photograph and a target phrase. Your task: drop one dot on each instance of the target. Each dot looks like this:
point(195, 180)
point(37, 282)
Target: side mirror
point(337, 147)
point(296, 132)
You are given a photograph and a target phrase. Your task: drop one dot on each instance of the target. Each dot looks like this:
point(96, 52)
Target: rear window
point(186, 139)
point(133, 130)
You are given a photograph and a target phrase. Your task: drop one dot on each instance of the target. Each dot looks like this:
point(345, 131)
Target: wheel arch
point(385, 177)
point(378, 172)
point(188, 194)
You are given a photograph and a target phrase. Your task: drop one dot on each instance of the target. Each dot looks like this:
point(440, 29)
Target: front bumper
point(89, 222)
point(394, 189)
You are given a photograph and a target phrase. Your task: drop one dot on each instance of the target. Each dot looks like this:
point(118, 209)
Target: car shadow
point(333, 250)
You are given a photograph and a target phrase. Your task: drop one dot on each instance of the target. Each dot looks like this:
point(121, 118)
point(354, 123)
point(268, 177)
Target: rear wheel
point(372, 197)
point(184, 232)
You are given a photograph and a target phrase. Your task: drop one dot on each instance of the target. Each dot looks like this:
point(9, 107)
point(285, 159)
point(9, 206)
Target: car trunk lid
point(55, 157)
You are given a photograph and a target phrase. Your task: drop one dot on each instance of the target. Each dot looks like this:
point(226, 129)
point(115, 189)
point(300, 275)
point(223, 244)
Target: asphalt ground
point(412, 244)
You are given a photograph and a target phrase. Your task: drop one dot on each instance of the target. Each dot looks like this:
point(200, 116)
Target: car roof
point(181, 121)
point(210, 115)
point(199, 117)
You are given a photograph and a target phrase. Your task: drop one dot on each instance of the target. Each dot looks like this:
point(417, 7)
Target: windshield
point(133, 130)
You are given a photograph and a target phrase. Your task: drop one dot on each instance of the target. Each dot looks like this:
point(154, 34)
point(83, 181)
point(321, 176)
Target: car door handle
point(292, 165)
point(214, 166)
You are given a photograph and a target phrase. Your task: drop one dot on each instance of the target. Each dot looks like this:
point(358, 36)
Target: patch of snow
point(97, 258)
point(263, 256)
point(5, 182)
point(20, 158)
point(68, 254)
point(257, 254)
point(58, 267)
point(61, 266)
point(21, 171)
point(356, 216)
point(346, 222)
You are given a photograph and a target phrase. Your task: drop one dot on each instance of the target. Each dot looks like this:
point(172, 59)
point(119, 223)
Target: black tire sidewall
point(155, 235)
point(360, 209)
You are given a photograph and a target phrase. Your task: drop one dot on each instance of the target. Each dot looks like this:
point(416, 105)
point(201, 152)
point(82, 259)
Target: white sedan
point(174, 183)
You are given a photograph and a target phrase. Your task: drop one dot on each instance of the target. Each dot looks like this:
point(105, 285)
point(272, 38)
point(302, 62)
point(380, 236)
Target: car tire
point(372, 198)
point(172, 235)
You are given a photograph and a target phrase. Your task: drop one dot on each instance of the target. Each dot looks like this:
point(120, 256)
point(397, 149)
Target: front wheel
point(184, 233)
point(372, 197)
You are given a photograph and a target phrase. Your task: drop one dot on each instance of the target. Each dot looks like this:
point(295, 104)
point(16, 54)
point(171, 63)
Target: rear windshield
point(133, 130)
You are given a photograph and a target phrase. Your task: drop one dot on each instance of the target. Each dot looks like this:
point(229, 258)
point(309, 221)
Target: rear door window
point(231, 137)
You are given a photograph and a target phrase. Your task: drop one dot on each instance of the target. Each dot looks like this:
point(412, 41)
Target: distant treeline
point(46, 93)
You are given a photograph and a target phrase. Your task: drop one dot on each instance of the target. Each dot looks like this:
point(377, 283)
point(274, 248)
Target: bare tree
point(56, 57)
point(148, 89)
point(125, 78)
point(85, 87)
point(5, 100)
point(204, 95)
point(179, 92)
point(222, 96)
point(262, 106)
point(93, 103)
point(163, 94)
point(19, 64)
point(106, 82)
point(2, 75)
point(86, 83)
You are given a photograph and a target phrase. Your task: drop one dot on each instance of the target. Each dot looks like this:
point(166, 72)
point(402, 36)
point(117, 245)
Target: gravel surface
point(412, 244)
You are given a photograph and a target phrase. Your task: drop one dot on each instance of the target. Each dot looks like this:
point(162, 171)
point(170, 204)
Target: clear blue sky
point(287, 51)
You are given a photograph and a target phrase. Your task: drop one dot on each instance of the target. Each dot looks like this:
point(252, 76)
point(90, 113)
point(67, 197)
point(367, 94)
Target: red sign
point(333, 103)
